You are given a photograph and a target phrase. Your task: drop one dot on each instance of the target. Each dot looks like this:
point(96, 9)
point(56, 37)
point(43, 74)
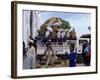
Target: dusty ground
point(57, 63)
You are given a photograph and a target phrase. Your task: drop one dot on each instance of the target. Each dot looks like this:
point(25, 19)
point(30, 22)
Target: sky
point(80, 21)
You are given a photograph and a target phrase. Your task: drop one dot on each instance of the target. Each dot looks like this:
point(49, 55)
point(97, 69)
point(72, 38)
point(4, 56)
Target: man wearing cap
point(29, 61)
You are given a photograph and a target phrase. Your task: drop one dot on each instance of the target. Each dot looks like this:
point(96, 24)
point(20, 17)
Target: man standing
point(72, 57)
point(29, 61)
point(86, 54)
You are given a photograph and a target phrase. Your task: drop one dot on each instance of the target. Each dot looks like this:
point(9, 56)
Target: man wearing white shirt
point(29, 61)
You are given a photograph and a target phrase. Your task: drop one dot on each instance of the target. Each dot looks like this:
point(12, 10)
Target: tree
point(65, 24)
point(89, 28)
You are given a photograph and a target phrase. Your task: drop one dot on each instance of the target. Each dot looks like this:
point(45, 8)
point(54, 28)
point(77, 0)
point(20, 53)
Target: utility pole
point(31, 20)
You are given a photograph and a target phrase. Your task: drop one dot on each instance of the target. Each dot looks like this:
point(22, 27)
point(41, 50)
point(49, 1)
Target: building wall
point(26, 26)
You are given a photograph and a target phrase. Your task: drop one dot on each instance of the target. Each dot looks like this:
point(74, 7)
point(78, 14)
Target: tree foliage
point(65, 24)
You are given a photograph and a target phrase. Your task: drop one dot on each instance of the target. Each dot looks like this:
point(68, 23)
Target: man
point(29, 61)
point(86, 54)
point(72, 57)
point(51, 57)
